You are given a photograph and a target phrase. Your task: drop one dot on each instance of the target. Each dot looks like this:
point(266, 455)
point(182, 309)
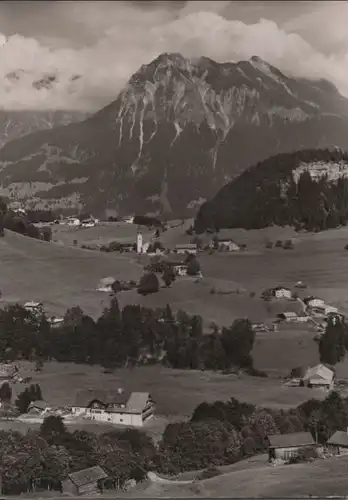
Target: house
point(127, 247)
point(89, 222)
point(55, 322)
point(288, 317)
point(313, 302)
point(186, 248)
point(319, 376)
point(34, 307)
point(180, 268)
point(105, 285)
point(338, 442)
point(330, 310)
point(84, 482)
point(280, 292)
point(38, 407)
point(115, 407)
point(8, 371)
point(73, 221)
point(286, 446)
point(226, 244)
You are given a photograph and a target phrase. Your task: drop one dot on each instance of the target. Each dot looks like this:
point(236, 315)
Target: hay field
point(258, 479)
point(58, 276)
point(176, 392)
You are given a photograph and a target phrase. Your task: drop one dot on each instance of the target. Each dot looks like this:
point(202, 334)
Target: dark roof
point(340, 438)
point(84, 398)
point(87, 476)
point(186, 245)
point(289, 440)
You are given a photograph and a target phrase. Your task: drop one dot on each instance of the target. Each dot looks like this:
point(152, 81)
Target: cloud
point(120, 37)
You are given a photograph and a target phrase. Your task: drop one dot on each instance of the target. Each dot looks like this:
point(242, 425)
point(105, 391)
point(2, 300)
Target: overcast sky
point(106, 42)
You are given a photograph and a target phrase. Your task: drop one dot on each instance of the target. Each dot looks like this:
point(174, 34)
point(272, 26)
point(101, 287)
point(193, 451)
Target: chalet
point(34, 307)
point(127, 246)
point(288, 317)
point(278, 292)
point(319, 376)
point(8, 371)
point(116, 407)
point(55, 322)
point(286, 446)
point(186, 248)
point(105, 285)
point(313, 302)
point(180, 268)
point(84, 482)
point(38, 407)
point(225, 244)
point(338, 442)
point(73, 221)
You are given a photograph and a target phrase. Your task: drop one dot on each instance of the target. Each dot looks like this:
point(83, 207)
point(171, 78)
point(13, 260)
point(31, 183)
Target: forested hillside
point(307, 189)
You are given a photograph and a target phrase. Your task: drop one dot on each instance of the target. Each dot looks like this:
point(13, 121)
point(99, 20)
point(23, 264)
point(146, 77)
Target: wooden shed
point(286, 446)
point(338, 442)
point(84, 482)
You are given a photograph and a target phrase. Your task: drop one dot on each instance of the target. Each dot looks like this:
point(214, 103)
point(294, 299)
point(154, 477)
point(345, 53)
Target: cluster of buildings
point(319, 376)
point(284, 447)
point(36, 309)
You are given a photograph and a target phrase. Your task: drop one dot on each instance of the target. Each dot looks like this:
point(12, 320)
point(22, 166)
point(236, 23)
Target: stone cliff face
point(177, 132)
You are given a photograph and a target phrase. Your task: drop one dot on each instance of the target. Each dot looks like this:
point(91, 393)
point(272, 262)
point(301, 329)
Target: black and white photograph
point(173, 249)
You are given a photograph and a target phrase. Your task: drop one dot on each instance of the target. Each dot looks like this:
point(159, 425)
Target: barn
point(286, 446)
point(84, 482)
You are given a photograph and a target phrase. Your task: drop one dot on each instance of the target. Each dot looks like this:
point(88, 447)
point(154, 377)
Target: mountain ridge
point(176, 133)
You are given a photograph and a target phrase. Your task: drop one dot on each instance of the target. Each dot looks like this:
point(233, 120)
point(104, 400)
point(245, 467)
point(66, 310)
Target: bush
point(148, 284)
point(304, 455)
point(279, 243)
point(193, 267)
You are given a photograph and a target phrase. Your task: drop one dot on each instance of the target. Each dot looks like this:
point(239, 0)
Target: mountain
point(14, 124)
point(307, 189)
point(177, 132)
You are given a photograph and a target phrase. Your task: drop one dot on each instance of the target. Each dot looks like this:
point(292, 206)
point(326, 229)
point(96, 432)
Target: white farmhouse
point(314, 302)
point(282, 293)
point(116, 407)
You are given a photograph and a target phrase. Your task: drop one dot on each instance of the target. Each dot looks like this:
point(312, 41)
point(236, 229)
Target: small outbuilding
point(338, 442)
point(286, 446)
point(319, 376)
point(84, 482)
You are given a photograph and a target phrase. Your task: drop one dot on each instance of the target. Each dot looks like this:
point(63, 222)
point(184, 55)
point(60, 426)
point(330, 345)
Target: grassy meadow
point(61, 276)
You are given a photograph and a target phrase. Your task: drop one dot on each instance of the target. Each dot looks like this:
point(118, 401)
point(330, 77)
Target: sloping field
point(319, 478)
point(58, 276)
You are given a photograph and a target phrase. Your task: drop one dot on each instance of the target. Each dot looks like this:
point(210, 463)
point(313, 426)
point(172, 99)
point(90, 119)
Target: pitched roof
point(290, 440)
point(32, 304)
point(319, 371)
point(38, 404)
point(339, 438)
point(186, 245)
point(137, 401)
point(87, 476)
point(84, 398)
point(7, 370)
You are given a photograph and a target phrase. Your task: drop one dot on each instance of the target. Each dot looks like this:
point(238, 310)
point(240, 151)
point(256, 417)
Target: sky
point(105, 42)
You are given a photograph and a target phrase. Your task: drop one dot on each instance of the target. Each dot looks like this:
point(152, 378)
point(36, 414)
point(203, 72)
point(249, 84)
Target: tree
point(238, 341)
point(52, 429)
point(148, 284)
point(5, 392)
point(168, 275)
point(332, 343)
point(193, 267)
point(30, 394)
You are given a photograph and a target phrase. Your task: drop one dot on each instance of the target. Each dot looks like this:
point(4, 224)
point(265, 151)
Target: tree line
point(218, 433)
point(267, 194)
point(134, 335)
